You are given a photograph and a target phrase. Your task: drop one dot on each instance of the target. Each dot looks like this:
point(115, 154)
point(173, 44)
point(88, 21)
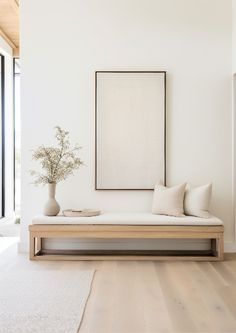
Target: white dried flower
point(59, 162)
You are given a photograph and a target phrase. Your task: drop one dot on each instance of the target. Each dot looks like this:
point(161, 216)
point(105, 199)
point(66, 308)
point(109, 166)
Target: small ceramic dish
point(81, 212)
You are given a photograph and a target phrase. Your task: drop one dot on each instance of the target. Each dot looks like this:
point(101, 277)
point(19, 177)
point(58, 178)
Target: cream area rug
point(43, 301)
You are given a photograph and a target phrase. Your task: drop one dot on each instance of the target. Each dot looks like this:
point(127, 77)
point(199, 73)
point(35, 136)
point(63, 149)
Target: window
point(17, 137)
point(2, 146)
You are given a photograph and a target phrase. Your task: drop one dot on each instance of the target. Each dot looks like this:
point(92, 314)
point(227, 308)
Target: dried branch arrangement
point(57, 163)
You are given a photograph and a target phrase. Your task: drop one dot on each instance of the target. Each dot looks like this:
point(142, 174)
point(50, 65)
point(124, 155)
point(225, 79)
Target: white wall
point(234, 35)
point(63, 43)
point(5, 49)
point(234, 101)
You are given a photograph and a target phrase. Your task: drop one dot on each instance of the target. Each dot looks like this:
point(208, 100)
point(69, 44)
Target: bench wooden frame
point(38, 232)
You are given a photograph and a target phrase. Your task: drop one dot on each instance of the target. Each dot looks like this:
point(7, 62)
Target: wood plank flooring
point(150, 297)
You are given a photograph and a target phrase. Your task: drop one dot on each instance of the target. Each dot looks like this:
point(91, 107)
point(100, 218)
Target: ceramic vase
point(51, 207)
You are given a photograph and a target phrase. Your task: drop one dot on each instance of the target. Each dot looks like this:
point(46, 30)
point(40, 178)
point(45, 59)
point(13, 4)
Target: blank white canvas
point(130, 125)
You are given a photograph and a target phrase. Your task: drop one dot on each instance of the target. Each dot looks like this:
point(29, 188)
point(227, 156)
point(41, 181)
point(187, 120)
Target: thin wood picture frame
point(112, 96)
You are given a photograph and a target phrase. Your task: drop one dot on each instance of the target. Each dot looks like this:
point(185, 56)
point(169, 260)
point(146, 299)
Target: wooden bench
point(124, 227)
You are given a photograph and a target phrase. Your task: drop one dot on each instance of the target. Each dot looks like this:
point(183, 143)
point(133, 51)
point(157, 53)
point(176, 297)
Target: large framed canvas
point(130, 125)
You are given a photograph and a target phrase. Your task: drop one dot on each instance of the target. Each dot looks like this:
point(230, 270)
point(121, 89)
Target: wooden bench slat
point(105, 227)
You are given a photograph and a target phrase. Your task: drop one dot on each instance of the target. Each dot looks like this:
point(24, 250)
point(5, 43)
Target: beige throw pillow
point(168, 201)
point(197, 200)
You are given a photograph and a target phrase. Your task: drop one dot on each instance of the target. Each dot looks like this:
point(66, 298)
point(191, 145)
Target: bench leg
point(217, 246)
point(32, 247)
point(38, 244)
point(220, 247)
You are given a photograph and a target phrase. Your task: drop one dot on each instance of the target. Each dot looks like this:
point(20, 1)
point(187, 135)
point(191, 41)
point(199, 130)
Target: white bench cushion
point(128, 219)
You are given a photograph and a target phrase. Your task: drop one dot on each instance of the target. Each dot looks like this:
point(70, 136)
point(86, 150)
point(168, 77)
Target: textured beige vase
point(51, 207)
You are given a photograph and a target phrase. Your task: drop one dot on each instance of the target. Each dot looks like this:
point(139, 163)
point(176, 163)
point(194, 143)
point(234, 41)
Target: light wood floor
point(151, 297)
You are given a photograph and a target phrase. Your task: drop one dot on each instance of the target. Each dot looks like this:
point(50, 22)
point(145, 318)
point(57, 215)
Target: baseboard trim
point(230, 247)
point(23, 247)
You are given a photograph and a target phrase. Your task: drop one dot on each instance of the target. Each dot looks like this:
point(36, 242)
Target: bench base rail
point(39, 232)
